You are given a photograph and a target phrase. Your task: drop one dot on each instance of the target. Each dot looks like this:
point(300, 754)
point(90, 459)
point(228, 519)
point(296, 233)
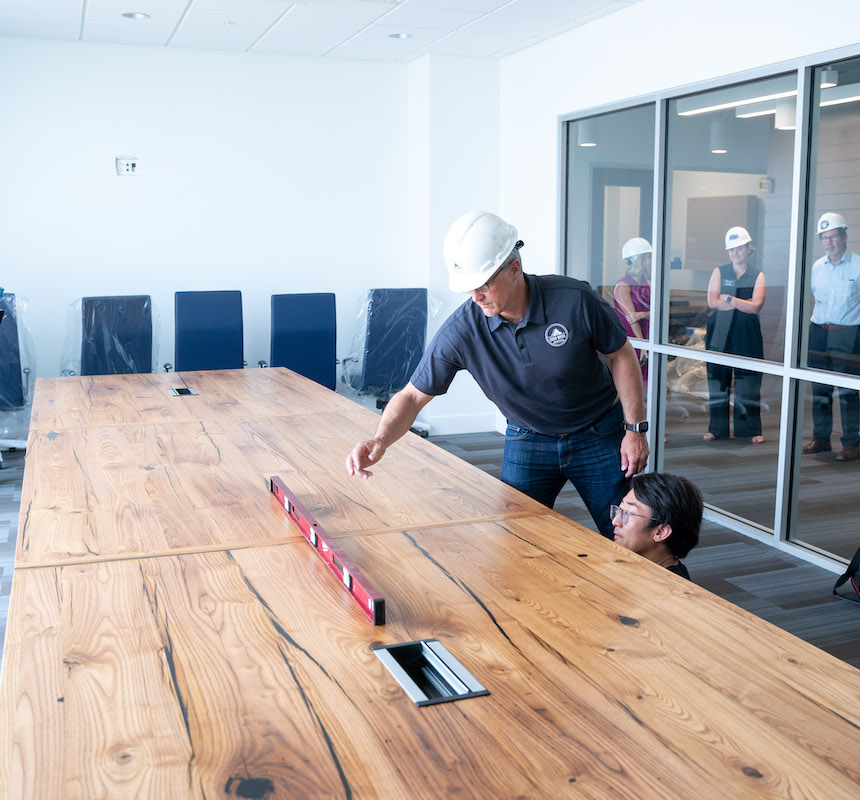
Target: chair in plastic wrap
point(14, 378)
point(393, 343)
point(209, 333)
point(304, 334)
point(116, 335)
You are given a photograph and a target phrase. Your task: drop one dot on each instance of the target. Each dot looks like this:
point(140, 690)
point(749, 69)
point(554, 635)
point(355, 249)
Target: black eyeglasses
point(615, 511)
point(486, 287)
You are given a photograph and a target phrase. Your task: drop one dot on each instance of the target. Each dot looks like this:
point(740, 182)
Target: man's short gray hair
point(514, 256)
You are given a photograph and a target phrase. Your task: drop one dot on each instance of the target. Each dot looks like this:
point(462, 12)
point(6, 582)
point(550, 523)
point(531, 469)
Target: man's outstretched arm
point(397, 419)
point(627, 376)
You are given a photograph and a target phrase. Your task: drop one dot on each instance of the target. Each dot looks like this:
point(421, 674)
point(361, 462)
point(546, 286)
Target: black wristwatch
point(636, 427)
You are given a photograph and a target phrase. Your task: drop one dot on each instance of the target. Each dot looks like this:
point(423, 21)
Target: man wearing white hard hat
point(834, 337)
point(551, 354)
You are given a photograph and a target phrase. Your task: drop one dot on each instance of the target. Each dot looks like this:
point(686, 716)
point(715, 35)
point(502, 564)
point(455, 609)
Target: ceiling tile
point(272, 8)
point(554, 9)
point(472, 5)
point(465, 43)
point(219, 30)
point(314, 28)
point(335, 28)
point(115, 33)
point(509, 25)
point(435, 18)
point(376, 43)
point(162, 13)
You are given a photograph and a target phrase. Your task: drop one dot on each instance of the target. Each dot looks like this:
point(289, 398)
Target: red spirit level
point(369, 600)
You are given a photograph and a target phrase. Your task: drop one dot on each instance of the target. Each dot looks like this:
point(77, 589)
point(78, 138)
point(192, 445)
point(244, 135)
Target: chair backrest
point(304, 335)
point(208, 330)
point(116, 335)
point(11, 384)
point(394, 342)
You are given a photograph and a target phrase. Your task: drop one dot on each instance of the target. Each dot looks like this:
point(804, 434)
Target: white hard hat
point(635, 247)
point(829, 221)
point(737, 236)
point(475, 246)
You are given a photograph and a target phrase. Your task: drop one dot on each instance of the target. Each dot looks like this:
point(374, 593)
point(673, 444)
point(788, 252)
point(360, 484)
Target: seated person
point(659, 518)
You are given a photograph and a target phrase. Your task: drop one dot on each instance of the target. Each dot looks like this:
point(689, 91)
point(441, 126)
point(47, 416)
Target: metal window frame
point(792, 375)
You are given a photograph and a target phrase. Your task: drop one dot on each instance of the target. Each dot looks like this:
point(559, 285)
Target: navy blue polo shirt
point(544, 374)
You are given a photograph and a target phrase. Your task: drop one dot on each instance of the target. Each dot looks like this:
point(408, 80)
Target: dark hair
point(675, 501)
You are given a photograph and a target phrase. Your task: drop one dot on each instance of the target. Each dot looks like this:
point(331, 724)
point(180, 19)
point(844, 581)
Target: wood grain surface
point(123, 490)
point(171, 635)
point(137, 399)
point(260, 666)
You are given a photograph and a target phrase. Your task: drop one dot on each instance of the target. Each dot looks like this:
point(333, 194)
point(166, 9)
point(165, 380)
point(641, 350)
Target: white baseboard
point(451, 424)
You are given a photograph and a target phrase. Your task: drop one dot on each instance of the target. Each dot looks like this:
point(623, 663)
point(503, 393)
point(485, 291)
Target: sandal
point(709, 437)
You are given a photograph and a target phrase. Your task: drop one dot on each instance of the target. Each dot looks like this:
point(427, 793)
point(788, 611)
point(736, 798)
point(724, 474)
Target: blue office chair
point(304, 335)
point(116, 335)
point(393, 343)
point(209, 332)
point(14, 379)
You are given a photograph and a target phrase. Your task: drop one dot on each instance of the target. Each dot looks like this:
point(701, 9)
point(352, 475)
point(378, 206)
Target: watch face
point(637, 427)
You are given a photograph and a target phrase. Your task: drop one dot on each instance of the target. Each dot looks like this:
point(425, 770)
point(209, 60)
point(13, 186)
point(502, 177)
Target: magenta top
point(641, 295)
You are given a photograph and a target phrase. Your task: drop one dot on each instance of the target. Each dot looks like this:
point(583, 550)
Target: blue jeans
point(837, 350)
point(540, 465)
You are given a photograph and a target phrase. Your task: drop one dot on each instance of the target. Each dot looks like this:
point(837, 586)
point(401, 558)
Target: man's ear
point(662, 532)
point(519, 266)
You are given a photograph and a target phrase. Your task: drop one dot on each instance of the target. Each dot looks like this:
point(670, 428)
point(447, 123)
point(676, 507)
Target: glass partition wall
point(610, 213)
point(827, 472)
point(748, 305)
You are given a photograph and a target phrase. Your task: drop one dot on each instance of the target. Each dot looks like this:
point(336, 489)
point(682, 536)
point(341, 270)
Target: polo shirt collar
point(535, 313)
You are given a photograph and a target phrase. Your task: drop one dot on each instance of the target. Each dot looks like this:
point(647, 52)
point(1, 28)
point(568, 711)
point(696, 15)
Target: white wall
point(266, 174)
point(257, 173)
point(454, 142)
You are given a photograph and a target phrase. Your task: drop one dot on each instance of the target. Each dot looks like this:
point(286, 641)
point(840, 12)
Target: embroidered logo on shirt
point(556, 334)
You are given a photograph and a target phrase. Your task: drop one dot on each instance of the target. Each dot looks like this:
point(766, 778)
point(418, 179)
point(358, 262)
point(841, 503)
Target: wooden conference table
point(171, 634)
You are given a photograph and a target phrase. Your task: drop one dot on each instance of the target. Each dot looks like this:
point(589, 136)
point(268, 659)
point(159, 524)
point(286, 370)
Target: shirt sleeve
point(607, 332)
point(439, 364)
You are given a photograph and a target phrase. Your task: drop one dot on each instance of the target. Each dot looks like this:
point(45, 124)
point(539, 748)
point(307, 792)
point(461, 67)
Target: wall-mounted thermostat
point(127, 165)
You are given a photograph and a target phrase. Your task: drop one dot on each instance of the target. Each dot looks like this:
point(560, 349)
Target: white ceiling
point(352, 29)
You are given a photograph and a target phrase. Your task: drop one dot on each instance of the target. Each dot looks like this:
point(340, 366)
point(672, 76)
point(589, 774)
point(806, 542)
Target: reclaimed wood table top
point(233, 664)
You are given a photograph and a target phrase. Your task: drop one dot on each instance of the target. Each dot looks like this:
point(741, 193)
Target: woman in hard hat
point(736, 293)
point(632, 294)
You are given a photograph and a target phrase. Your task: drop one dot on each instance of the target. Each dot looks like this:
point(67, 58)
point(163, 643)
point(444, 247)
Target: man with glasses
point(834, 337)
point(659, 518)
point(551, 354)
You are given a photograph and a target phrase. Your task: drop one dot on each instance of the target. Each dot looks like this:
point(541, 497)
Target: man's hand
point(634, 453)
point(363, 455)
point(397, 418)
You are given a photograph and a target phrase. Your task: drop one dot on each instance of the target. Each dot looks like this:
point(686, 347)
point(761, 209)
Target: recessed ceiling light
point(135, 15)
point(399, 35)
